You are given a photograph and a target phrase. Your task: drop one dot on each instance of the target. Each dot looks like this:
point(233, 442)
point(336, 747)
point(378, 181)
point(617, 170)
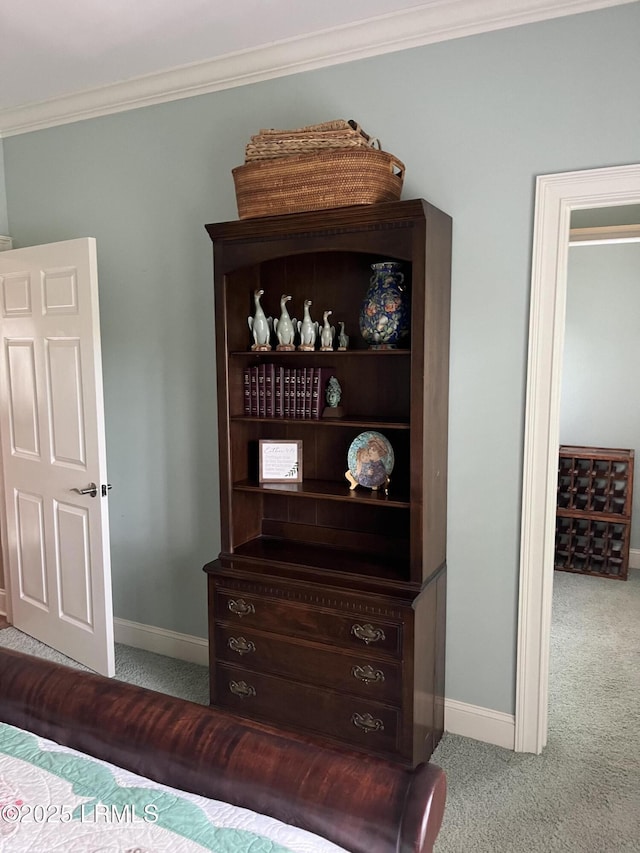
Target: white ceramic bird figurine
point(327, 333)
point(343, 340)
point(308, 329)
point(260, 325)
point(285, 327)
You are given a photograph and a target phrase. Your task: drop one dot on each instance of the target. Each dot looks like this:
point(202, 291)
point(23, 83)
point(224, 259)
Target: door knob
point(91, 489)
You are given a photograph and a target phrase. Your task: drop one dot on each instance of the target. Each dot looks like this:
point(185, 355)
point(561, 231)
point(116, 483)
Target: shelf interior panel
point(270, 549)
point(372, 388)
point(334, 281)
point(324, 452)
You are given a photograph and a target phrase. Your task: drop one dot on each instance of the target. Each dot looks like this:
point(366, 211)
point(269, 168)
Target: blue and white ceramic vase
point(384, 315)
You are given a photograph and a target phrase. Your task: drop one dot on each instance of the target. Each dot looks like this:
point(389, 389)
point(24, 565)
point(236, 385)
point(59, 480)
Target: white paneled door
point(53, 450)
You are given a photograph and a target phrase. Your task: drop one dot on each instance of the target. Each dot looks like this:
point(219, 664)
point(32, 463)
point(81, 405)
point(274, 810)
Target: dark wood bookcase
point(327, 605)
point(593, 518)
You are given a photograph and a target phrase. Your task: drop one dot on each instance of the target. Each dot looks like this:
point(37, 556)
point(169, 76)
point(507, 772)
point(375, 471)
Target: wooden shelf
point(611, 517)
point(321, 356)
point(357, 423)
point(326, 490)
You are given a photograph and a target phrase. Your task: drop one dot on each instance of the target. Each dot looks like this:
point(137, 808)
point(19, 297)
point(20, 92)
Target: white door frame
point(556, 196)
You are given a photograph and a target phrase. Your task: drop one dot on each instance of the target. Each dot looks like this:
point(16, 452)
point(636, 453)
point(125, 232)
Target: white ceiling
point(53, 47)
point(114, 53)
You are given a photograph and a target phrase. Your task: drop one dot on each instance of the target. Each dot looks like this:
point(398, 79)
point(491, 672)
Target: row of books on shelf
point(274, 391)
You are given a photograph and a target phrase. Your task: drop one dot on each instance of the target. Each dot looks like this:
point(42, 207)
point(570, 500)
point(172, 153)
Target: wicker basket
point(308, 140)
point(335, 178)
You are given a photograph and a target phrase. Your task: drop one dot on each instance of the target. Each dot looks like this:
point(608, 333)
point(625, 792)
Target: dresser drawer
point(351, 672)
point(356, 721)
point(308, 623)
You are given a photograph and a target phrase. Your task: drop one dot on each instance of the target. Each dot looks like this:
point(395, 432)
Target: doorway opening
point(556, 197)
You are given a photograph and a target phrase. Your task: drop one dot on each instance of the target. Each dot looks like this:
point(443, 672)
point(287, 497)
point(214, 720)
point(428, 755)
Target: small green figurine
point(343, 339)
point(334, 393)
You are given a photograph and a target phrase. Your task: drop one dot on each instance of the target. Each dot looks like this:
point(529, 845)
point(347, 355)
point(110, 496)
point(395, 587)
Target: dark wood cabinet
point(593, 517)
point(327, 604)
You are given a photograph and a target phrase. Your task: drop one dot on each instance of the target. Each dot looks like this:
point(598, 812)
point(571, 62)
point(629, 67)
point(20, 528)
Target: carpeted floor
point(135, 666)
point(582, 795)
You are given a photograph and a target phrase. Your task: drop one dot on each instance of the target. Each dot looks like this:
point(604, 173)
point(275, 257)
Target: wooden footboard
point(363, 804)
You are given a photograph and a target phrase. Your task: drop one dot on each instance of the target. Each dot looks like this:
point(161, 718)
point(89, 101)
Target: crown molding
point(434, 21)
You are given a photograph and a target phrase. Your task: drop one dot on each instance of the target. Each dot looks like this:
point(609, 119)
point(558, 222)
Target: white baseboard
point(634, 558)
point(161, 641)
point(3, 602)
point(478, 723)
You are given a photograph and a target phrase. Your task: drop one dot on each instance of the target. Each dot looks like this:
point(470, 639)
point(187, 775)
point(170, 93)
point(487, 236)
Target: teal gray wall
point(604, 216)
point(4, 219)
point(600, 406)
point(475, 120)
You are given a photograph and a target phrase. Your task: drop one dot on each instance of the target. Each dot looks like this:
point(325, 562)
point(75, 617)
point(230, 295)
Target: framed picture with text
point(280, 461)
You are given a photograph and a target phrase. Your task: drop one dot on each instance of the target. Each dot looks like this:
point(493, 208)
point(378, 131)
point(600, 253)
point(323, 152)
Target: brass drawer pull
point(367, 633)
point(241, 608)
point(241, 689)
point(240, 645)
point(367, 723)
point(367, 674)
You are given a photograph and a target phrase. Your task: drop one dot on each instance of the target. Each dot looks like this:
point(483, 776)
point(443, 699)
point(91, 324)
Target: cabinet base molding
point(479, 723)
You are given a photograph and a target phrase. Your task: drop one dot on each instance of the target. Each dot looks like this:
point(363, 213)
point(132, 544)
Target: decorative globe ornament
point(384, 315)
